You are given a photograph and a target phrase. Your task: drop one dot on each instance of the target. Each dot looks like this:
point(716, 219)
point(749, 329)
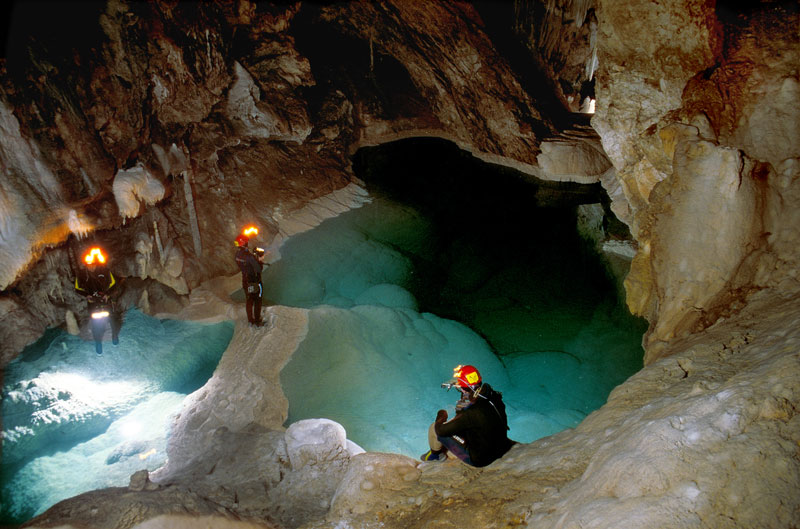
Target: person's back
point(251, 268)
point(242, 254)
point(483, 426)
point(248, 265)
point(478, 433)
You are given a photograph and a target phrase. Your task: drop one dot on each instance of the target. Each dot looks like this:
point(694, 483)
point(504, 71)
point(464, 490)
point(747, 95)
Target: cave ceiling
point(247, 110)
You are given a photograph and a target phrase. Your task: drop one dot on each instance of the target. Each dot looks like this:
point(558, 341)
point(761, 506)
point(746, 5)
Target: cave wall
point(697, 110)
point(561, 36)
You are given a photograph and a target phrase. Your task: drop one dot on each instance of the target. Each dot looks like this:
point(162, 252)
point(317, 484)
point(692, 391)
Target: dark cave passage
point(508, 247)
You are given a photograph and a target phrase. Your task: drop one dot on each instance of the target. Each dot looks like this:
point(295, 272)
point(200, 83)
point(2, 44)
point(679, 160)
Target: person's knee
point(433, 439)
point(456, 448)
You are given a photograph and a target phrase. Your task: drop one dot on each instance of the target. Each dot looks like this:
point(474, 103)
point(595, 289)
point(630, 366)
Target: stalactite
point(78, 225)
point(90, 186)
point(208, 51)
point(372, 47)
point(187, 189)
point(161, 255)
point(371, 56)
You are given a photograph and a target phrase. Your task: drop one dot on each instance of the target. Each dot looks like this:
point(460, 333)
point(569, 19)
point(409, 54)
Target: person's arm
point(452, 427)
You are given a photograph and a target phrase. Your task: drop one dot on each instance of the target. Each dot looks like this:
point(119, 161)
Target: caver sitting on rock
point(477, 433)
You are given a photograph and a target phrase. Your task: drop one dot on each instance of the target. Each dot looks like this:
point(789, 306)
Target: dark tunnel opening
point(498, 231)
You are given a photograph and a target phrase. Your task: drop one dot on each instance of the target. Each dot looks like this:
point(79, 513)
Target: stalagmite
point(144, 302)
point(72, 323)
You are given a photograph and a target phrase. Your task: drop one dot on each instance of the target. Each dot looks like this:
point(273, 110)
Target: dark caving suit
point(95, 282)
point(251, 269)
point(478, 433)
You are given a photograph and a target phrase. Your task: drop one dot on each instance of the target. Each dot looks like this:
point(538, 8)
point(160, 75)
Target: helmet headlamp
point(466, 377)
point(94, 256)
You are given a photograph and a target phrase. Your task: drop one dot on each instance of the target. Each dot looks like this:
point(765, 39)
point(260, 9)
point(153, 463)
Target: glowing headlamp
point(94, 255)
point(250, 232)
point(100, 315)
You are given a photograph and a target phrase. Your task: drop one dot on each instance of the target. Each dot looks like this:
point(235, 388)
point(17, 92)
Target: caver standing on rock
point(250, 264)
point(477, 433)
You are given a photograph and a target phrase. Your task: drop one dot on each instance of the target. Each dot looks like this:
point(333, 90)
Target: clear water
point(74, 421)
point(400, 296)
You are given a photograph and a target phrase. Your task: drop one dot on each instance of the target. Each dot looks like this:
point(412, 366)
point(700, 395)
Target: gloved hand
point(441, 416)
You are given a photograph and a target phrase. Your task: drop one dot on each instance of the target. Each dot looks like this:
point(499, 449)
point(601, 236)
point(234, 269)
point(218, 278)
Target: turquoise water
point(399, 292)
point(400, 296)
point(74, 421)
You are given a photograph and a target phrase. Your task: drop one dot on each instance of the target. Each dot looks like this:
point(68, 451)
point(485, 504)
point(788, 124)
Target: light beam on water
point(74, 421)
point(397, 298)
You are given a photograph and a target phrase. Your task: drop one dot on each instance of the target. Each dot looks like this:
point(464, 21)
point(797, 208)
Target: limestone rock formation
point(159, 128)
point(701, 134)
point(705, 436)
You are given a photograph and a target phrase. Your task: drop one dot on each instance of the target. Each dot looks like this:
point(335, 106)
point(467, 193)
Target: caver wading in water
point(95, 281)
point(477, 433)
